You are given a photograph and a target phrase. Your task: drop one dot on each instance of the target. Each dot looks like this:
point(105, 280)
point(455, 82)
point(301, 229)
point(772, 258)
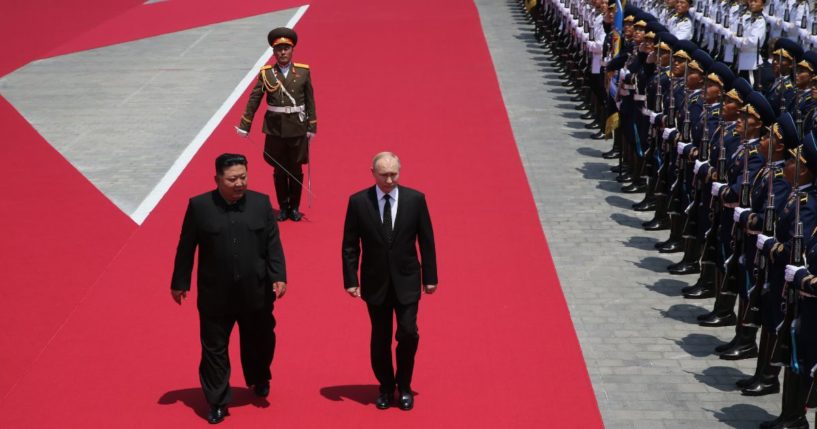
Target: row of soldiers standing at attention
point(712, 109)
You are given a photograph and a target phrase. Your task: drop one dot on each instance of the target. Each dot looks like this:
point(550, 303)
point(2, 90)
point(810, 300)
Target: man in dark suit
point(241, 271)
point(290, 120)
point(387, 223)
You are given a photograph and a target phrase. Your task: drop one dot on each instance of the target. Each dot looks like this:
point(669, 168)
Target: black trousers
point(286, 156)
point(407, 337)
point(257, 339)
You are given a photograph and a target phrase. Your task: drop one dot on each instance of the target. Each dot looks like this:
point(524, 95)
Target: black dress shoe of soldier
point(406, 400)
point(719, 320)
point(771, 423)
point(598, 136)
point(577, 98)
point(685, 268)
point(282, 215)
point(216, 414)
point(383, 401)
point(583, 106)
point(645, 206)
point(624, 177)
point(672, 247)
point(261, 389)
point(796, 423)
point(761, 388)
point(295, 215)
point(591, 126)
point(745, 351)
point(700, 292)
point(657, 225)
point(635, 187)
point(610, 154)
point(588, 115)
point(745, 382)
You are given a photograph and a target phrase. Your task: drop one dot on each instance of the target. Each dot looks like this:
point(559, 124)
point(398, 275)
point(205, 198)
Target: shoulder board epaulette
point(788, 85)
point(803, 198)
point(752, 151)
point(266, 67)
point(778, 173)
point(299, 65)
point(715, 111)
point(694, 98)
point(813, 233)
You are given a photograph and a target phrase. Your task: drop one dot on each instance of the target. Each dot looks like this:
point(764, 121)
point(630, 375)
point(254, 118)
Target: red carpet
point(92, 338)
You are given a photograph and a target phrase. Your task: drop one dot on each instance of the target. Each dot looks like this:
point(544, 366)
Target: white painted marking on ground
point(149, 203)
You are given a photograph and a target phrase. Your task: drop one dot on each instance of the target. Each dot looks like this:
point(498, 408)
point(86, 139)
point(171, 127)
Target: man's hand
point(429, 289)
point(280, 288)
point(178, 295)
point(310, 135)
point(354, 292)
point(241, 133)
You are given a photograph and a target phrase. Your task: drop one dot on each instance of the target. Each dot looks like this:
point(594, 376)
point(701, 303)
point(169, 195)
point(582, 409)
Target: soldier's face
point(283, 53)
point(781, 66)
point(694, 79)
point(713, 93)
point(681, 7)
point(638, 35)
point(788, 173)
point(803, 78)
point(232, 183)
point(386, 174)
point(671, 4)
point(628, 31)
point(730, 109)
point(755, 5)
point(678, 67)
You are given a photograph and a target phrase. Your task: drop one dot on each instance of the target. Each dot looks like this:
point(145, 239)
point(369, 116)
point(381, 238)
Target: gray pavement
point(650, 363)
point(123, 114)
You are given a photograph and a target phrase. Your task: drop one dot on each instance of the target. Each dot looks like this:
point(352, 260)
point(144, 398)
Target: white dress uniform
point(729, 13)
point(798, 11)
point(680, 27)
point(754, 33)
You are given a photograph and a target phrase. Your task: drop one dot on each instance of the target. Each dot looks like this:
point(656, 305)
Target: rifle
point(680, 179)
point(751, 316)
point(782, 351)
point(711, 237)
point(730, 282)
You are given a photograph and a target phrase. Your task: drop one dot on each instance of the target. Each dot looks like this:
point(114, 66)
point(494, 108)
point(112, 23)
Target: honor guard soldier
point(290, 121)
point(781, 94)
point(807, 71)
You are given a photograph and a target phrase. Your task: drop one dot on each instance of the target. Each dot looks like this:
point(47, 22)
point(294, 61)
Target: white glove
point(645, 111)
point(667, 132)
point(716, 188)
point(698, 165)
point(680, 146)
point(653, 115)
point(791, 270)
point(241, 133)
point(310, 135)
point(761, 241)
point(737, 212)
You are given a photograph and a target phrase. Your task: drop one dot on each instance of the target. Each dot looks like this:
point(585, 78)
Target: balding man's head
point(386, 170)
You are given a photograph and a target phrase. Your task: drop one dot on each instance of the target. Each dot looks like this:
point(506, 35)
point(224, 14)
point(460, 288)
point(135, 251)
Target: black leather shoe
point(796, 423)
point(719, 320)
point(295, 215)
point(771, 423)
point(745, 382)
point(406, 401)
point(700, 292)
point(672, 247)
point(634, 188)
point(644, 206)
point(577, 98)
point(384, 401)
point(740, 352)
point(624, 178)
point(261, 389)
point(598, 136)
point(657, 225)
point(216, 414)
point(685, 268)
point(282, 215)
point(591, 126)
point(761, 388)
point(610, 154)
point(583, 106)
point(616, 168)
point(588, 115)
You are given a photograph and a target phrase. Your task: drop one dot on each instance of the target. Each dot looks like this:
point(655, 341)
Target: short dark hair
point(226, 160)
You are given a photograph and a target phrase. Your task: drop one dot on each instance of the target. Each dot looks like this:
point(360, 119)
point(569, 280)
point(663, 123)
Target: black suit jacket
point(383, 263)
point(240, 253)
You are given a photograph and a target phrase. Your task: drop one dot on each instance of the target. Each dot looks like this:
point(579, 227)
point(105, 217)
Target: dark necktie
point(387, 226)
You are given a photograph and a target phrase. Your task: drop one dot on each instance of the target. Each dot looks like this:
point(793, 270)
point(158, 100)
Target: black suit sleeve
point(276, 265)
point(350, 253)
point(186, 249)
point(425, 237)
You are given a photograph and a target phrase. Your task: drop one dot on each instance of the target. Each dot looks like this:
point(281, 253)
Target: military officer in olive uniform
point(290, 121)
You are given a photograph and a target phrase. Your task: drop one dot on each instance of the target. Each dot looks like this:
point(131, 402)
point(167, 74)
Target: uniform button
point(236, 277)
